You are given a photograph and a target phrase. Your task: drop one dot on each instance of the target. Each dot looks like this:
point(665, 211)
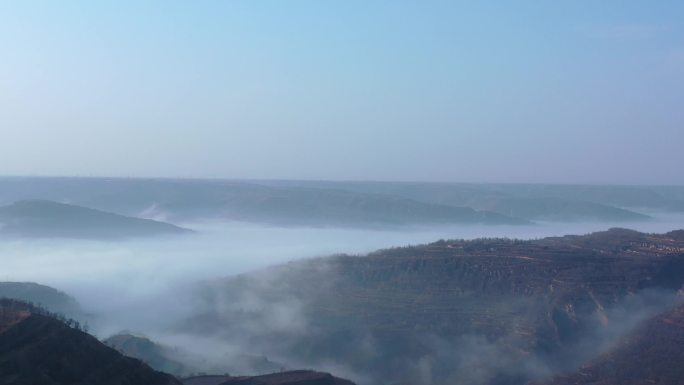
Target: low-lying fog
point(124, 283)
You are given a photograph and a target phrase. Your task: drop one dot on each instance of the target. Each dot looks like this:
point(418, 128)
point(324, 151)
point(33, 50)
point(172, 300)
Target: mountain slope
point(179, 362)
point(47, 219)
point(651, 354)
point(39, 349)
point(504, 311)
point(48, 297)
point(157, 356)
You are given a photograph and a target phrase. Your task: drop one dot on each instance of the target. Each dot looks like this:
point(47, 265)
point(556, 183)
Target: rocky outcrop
point(651, 354)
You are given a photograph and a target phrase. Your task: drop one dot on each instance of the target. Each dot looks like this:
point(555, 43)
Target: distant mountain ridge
point(326, 203)
point(537, 202)
point(48, 219)
point(198, 200)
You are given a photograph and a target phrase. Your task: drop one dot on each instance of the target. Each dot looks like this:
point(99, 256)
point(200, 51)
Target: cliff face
point(651, 354)
point(39, 349)
point(506, 310)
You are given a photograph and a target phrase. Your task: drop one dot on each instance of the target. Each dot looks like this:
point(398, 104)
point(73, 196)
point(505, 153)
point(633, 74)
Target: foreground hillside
point(40, 348)
point(651, 354)
point(490, 311)
point(36, 348)
point(47, 219)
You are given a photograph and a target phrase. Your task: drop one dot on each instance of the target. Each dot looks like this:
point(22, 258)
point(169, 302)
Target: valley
point(482, 311)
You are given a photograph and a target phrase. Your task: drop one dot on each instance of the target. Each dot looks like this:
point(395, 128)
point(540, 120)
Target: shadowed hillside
point(36, 348)
point(179, 362)
point(157, 356)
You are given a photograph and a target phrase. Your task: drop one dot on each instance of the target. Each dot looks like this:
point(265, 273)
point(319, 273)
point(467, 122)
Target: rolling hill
point(199, 200)
point(47, 219)
point(488, 311)
point(325, 203)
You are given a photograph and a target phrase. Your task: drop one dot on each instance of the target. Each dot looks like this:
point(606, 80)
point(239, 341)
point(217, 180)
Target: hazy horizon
point(398, 181)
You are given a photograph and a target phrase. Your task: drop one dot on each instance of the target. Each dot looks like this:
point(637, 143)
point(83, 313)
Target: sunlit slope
point(495, 304)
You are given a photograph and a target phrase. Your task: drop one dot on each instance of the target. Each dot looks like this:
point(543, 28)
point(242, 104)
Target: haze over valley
point(177, 273)
point(303, 192)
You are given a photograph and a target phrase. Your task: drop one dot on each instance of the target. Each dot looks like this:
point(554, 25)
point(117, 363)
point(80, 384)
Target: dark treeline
point(12, 310)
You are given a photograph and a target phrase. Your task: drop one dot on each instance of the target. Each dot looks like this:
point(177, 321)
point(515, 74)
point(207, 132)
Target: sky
point(498, 91)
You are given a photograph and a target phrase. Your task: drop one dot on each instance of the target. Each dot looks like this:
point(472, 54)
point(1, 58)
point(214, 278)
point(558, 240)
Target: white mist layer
point(139, 284)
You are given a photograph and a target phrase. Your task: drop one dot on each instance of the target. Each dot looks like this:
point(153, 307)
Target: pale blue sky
point(500, 91)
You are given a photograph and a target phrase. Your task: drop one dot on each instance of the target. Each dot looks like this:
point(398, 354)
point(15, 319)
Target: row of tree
point(12, 310)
